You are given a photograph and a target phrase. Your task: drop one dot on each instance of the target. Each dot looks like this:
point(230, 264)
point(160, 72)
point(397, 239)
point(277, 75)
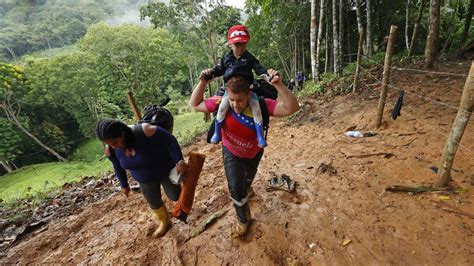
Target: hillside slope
point(330, 206)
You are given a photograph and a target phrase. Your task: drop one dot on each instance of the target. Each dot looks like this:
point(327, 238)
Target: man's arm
point(197, 97)
point(287, 103)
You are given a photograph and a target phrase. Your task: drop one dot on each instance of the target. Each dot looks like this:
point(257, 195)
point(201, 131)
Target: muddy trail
point(339, 213)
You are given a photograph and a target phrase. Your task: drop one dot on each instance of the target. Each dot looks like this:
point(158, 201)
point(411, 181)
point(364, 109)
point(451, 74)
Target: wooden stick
point(370, 154)
point(359, 52)
point(419, 189)
point(386, 75)
point(449, 208)
point(133, 105)
point(460, 123)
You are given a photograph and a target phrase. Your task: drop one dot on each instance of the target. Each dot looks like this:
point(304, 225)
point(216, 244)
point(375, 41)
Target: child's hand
point(206, 75)
point(274, 76)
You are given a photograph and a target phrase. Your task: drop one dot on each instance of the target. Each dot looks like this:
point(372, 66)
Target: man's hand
point(206, 75)
point(126, 191)
point(275, 76)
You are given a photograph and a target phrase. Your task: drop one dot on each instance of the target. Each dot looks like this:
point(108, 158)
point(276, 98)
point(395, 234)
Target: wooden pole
point(359, 52)
point(386, 74)
point(133, 105)
point(466, 107)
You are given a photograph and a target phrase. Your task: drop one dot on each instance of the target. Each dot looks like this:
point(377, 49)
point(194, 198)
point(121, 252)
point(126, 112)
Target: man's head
point(237, 39)
point(238, 90)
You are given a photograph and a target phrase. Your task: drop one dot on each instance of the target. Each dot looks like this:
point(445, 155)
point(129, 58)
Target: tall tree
point(431, 48)
point(335, 36)
point(368, 34)
point(416, 28)
point(467, 24)
point(313, 40)
point(322, 11)
point(340, 45)
point(360, 24)
point(407, 20)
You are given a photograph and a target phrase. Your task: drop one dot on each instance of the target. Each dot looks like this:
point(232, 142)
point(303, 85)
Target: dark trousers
point(152, 191)
point(240, 173)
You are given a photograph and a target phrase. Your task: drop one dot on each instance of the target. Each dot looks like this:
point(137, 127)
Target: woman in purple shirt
point(149, 152)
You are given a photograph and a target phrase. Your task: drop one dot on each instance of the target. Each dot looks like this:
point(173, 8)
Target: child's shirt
point(238, 131)
point(231, 66)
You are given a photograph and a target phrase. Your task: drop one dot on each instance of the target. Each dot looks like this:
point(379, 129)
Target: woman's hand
point(181, 168)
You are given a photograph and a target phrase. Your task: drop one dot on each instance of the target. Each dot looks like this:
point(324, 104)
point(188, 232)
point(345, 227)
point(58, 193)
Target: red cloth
point(186, 198)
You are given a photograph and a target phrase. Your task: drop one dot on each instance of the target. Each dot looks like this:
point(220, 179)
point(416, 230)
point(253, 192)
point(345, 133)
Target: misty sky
point(237, 3)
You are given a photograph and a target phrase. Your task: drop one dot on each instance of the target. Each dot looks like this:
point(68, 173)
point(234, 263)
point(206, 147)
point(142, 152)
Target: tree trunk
point(467, 24)
point(320, 37)
point(416, 27)
point(370, 45)
point(431, 49)
point(348, 36)
point(335, 36)
point(466, 107)
point(359, 55)
point(6, 166)
point(341, 34)
point(407, 19)
point(302, 56)
point(360, 26)
point(295, 55)
point(327, 42)
point(386, 74)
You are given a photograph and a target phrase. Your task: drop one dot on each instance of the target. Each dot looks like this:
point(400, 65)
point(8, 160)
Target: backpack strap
point(265, 115)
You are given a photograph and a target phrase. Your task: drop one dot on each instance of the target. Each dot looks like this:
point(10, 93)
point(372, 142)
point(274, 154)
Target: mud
point(329, 208)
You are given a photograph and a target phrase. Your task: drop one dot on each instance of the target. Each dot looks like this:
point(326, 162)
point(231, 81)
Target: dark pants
point(152, 191)
point(240, 173)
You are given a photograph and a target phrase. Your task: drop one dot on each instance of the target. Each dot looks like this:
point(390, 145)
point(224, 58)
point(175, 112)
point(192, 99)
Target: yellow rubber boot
point(163, 221)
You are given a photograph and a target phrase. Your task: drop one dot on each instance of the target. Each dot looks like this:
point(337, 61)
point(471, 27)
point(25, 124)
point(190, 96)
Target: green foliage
point(12, 81)
point(9, 141)
point(89, 150)
point(143, 60)
point(275, 27)
point(320, 87)
point(27, 27)
point(35, 181)
point(199, 26)
point(188, 126)
point(70, 81)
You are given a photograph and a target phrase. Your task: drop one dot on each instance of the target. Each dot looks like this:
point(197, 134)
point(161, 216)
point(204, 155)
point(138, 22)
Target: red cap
point(238, 33)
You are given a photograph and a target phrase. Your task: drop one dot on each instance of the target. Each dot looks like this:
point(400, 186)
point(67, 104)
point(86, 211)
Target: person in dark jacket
point(238, 62)
point(150, 153)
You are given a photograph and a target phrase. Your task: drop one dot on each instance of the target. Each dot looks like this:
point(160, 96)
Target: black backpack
point(159, 116)
point(263, 90)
